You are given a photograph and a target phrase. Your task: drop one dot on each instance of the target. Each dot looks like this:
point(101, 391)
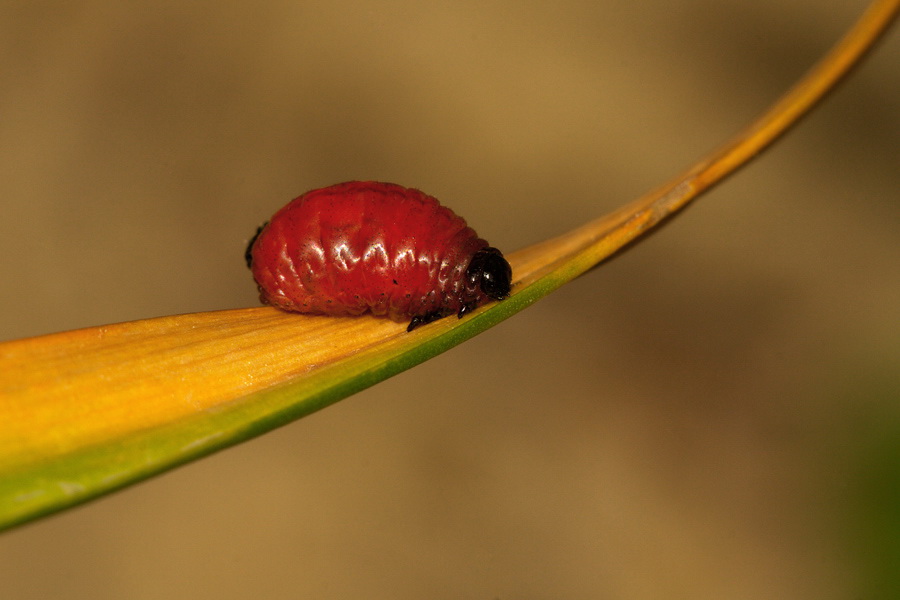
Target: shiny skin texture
point(360, 247)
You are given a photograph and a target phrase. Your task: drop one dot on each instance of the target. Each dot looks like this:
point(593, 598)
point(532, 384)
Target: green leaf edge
point(44, 488)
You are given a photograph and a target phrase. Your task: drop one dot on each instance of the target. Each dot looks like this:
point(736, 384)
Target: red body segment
point(367, 246)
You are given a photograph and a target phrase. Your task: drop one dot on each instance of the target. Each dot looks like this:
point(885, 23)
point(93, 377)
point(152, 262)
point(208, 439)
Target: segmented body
point(372, 247)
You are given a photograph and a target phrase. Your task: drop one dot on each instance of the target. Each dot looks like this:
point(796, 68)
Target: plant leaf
point(86, 412)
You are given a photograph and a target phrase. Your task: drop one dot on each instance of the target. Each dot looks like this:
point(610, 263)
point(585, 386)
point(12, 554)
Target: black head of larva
point(489, 271)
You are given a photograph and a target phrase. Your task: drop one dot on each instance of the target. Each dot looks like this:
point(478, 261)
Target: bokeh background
point(713, 414)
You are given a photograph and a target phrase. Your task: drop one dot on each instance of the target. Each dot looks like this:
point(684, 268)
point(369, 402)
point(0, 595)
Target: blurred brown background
point(714, 414)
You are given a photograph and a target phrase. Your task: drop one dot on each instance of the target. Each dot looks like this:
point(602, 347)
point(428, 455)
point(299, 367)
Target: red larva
point(367, 246)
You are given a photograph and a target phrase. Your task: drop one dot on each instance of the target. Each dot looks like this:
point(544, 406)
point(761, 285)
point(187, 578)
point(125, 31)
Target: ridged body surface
point(366, 246)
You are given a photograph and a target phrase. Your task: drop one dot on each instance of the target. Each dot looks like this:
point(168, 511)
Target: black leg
point(466, 309)
point(423, 319)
